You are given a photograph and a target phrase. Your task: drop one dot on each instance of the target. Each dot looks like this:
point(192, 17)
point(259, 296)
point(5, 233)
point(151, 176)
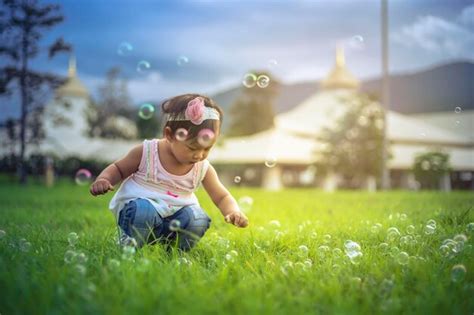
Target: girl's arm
point(117, 171)
point(223, 199)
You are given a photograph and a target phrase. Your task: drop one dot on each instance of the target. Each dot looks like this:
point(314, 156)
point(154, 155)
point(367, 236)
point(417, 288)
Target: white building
point(290, 146)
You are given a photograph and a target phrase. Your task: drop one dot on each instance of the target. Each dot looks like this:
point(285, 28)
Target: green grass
point(269, 274)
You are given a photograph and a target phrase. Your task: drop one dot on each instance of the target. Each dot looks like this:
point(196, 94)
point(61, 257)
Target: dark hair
point(177, 105)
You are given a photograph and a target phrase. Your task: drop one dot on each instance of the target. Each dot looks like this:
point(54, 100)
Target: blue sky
point(294, 39)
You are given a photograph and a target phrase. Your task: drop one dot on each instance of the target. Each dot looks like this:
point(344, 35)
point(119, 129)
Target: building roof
point(73, 86)
point(460, 122)
point(340, 76)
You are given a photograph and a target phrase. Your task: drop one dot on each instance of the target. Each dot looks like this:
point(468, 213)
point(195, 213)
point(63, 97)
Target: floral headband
point(196, 112)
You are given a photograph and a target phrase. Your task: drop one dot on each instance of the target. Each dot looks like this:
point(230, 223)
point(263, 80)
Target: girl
point(156, 201)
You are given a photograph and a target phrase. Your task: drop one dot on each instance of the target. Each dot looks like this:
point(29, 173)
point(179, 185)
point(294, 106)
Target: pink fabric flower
point(195, 111)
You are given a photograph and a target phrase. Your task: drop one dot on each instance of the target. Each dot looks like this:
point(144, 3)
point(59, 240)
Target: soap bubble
point(430, 229)
point(113, 263)
point(323, 250)
point(394, 251)
point(337, 252)
point(275, 223)
point(458, 273)
point(124, 49)
point(69, 256)
point(245, 203)
point(353, 251)
point(181, 134)
point(2, 234)
point(83, 177)
point(403, 258)
point(80, 269)
point(272, 63)
point(460, 238)
point(81, 258)
point(263, 81)
point(205, 137)
point(392, 234)
point(146, 111)
point(376, 228)
point(445, 250)
point(25, 246)
point(411, 229)
point(72, 238)
point(128, 252)
point(457, 110)
point(182, 61)
point(270, 161)
point(470, 227)
point(356, 42)
point(237, 179)
point(303, 251)
point(383, 247)
point(175, 225)
point(249, 80)
point(143, 66)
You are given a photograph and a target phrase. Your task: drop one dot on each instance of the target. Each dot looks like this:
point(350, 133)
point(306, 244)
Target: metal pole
point(385, 181)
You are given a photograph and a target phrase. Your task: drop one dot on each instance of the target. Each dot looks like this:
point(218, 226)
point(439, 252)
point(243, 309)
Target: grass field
point(294, 258)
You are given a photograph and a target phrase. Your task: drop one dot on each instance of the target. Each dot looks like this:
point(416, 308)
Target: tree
point(108, 116)
point(430, 167)
point(148, 128)
point(353, 146)
point(253, 112)
point(21, 23)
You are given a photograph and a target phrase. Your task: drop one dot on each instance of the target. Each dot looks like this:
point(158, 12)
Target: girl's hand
point(237, 218)
point(101, 186)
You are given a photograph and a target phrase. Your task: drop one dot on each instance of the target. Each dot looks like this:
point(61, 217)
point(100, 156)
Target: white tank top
point(167, 192)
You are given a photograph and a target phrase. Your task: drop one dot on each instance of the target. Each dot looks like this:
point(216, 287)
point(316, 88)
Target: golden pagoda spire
point(340, 77)
point(72, 66)
point(340, 58)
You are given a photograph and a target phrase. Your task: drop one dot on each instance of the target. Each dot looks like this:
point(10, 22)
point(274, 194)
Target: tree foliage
point(21, 25)
point(253, 111)
point(112, 115)
point(353, 145)
point(430, 167)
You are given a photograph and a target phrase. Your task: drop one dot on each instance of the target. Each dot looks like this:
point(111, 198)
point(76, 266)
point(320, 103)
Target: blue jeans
point(140, 220)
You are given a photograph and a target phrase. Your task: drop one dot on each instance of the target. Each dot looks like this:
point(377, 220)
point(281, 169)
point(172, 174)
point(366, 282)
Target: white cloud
point(436, 35)
point(467, 16)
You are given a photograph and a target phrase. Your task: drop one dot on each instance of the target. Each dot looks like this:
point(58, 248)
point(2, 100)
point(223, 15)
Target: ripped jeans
point(140, 220)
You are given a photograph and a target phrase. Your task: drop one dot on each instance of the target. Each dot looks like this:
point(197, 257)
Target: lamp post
point(385, 180)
